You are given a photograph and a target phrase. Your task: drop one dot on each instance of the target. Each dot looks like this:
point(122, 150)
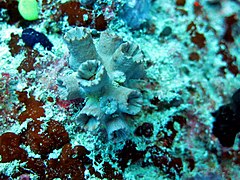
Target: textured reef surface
point(120, 89)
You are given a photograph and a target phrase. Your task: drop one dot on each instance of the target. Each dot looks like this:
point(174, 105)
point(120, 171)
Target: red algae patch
point(34, 108)
point(54, 137)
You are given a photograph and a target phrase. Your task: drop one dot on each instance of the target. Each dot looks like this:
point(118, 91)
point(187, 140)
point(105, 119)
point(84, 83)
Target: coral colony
point(107, 76)
point(117, 89)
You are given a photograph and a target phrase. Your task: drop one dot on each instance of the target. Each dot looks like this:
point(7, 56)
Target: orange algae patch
point(54, 137)
point(28, 63)
point(70, 163)
point(34, 108)
point(230, 21)
point(180, 2)
point(9, 148)
point(199, 39)
point(194, 56)
point(13, 45)
point(75, 14)
point(228, 58)
point(79, 16)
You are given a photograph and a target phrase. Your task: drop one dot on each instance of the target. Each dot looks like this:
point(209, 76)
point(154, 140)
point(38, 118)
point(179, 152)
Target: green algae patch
point(28, 9)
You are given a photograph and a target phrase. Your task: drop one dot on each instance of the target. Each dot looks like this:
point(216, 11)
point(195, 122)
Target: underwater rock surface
point(116, 89)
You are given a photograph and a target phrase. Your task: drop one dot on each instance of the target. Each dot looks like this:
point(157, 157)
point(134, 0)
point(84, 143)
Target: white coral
point(107, 72)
